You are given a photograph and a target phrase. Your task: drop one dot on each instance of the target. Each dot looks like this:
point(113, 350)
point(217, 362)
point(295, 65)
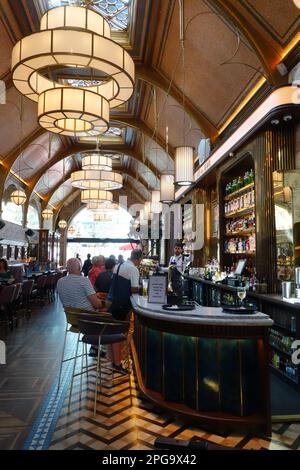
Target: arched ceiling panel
point(154, 153)
point(171, 114)
point(61, 193)
point(139, 187)
point(53, 175)
point(214, 88)
point(36, 155)
point(281, 19)
point(143, 171)
point(12, 132)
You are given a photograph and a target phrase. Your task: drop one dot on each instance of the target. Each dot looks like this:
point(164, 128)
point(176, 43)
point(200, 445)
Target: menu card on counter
point(157, 289)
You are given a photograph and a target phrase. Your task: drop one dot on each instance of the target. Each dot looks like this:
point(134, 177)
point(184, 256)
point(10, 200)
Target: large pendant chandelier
point(78, 38)
point(96, 179)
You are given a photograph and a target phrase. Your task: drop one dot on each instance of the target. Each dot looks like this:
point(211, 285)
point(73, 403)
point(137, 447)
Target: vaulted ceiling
point(231, 49)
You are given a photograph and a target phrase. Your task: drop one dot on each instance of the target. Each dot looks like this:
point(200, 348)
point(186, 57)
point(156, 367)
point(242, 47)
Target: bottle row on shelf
point(239, 182)
point(245, 224)
point(239, 245)
point(282, 342)
point(240, 203)
point(285, 366)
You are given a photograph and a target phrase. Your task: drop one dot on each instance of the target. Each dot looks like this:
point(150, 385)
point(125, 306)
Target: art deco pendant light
point(77, 38)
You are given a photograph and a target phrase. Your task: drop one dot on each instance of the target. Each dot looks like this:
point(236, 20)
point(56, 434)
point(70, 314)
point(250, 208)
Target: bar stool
point(71, 314)
point(97, 331)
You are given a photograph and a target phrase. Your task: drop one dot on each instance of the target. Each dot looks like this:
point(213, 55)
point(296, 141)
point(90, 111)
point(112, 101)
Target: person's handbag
point(119, 294)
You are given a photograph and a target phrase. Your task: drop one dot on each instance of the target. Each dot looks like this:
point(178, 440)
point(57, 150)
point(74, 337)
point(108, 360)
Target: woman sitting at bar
point(98, 267)
point(5, 274)
point(104, 279)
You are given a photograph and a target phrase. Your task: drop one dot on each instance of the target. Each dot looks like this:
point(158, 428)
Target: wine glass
point(241, 293)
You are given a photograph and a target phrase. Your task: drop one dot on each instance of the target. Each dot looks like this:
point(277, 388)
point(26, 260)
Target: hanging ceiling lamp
point(155, 202)
point(18, 197)
point(95, 195)
point(47, 213)
point(77, 38)
point(96, 161)
point(62, 224)
point(72, 230)
point(70, 111)
point(167, 189)
point(96, 179)
point(102, 218)
point(184, 165)
point(102, 206)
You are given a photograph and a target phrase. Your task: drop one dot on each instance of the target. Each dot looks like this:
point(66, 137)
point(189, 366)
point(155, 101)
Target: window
point(12, 213)
point(33, 220)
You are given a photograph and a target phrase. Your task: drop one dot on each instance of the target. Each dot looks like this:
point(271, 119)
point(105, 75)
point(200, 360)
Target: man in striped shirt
point(75, 290)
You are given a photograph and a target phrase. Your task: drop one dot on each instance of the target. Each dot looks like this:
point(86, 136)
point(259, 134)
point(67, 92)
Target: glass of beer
point(145, 287)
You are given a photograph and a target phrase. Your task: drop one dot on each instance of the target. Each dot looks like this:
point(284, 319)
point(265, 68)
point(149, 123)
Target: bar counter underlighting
point(204, 364)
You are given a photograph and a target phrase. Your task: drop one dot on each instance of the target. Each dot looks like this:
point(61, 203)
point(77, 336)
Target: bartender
point(177, 264)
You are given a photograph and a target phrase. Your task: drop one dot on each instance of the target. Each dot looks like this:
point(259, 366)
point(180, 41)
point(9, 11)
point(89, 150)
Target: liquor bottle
point(240, 183)
point(293, 324)
point(251, 176)
point(240, 246)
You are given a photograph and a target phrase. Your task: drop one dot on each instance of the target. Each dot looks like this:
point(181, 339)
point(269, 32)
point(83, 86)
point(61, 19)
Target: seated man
point(75, 290)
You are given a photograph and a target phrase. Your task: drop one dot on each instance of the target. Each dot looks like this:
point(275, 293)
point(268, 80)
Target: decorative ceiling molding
point(265, 52)
point(154, 78)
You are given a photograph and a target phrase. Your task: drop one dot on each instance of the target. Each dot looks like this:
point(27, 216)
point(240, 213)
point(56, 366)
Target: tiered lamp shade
point(62, 224)
point(102, 206)
point(167, 189)
point(155, 202)
point(97, 179)
point(73, 36)
point(18, 197)
point(96, 161)
point(102, 218)
point(73, 111)
point(95, 195)
point(47, 213)
point(184, 166)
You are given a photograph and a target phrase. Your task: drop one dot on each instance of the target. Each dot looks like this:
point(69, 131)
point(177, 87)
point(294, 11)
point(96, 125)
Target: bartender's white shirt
point(180, 261)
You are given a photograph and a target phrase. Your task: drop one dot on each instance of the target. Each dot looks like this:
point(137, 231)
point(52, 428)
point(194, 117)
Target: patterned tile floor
point(121, 426)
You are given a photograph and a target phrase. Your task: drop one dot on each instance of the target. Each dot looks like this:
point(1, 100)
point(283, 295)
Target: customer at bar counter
point(98, 266)
point(126, 281)
point(86, 266)
point(120, 259)
point(75, 290)
point(104, 279)
point(5, 274)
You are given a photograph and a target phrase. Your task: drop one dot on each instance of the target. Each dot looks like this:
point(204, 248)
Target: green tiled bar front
point(206, 374)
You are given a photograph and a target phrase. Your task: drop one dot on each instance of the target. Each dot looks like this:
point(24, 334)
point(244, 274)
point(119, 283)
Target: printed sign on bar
point(157, 289)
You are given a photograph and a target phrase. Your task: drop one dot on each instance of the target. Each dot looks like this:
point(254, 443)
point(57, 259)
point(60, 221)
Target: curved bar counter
point(204, 364)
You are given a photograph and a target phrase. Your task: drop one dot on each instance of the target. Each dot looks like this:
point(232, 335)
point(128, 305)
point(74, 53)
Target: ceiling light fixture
point(184, 165)
point(102, 218)
point(96, 161)
point(18, 197)
point(95, 195)
point(102, 206)
point(96, 179)
point(77, 38)
point(167, 189)
point(62, 224)
point(47, 213)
